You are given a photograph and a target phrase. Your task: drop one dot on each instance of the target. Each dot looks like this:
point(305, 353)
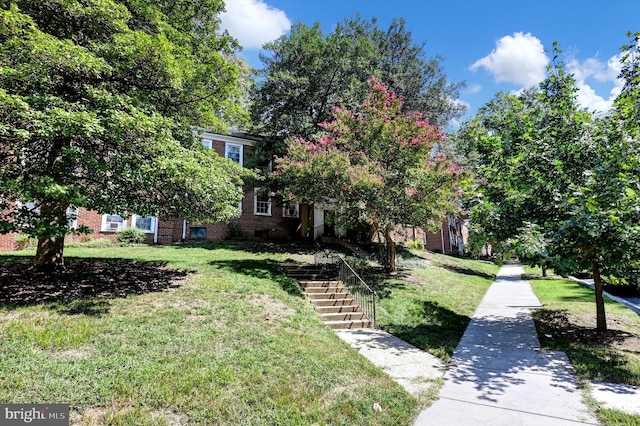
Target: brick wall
point(434, 240)
point(7, 242)
point(248, 224)
point(93, 220)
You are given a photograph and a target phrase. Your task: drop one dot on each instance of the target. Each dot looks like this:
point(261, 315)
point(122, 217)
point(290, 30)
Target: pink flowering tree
point(376, 165)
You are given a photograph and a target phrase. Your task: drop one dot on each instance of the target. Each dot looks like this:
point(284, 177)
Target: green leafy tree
point(561, 183)
point(98, 101)
point(498, 143)
point(307, 73)
point(376, 166)
point(601, 230)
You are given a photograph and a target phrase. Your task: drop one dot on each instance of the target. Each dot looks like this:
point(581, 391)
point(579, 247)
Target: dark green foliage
point(307, 73)
point(98, 100)
point(131, 236)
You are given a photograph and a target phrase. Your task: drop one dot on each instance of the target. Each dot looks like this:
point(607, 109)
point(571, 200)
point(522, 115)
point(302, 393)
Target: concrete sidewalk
point(415, 370)
point(499, 375)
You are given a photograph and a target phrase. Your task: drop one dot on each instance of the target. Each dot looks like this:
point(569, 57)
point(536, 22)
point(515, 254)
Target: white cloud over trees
point(518, 59)
point(253, 22)
point(601, 72)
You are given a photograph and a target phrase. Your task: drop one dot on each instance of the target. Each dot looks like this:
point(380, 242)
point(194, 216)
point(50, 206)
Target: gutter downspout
point(184, 229)
point(442, 237)
point(155, 231)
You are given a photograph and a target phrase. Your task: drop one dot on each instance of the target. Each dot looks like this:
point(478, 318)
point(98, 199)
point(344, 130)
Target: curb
point(620, 300)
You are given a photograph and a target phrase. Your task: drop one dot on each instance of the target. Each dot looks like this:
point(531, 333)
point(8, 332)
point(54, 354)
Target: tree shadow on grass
point(84, 286)
point(258, 247)
point(595, 355)
point(383, 283)
point(556, 324)
point(439, 333)
point(263, 269)
point(466, 271)
point(407, 258)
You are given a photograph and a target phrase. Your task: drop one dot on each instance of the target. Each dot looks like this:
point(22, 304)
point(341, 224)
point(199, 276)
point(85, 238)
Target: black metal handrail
point(361, 292)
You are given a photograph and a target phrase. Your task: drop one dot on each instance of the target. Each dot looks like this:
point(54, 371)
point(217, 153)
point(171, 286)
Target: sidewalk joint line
point(518, 411)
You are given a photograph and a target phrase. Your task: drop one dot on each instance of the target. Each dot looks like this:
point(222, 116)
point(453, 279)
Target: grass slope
point(235, 343)
point(433, 299)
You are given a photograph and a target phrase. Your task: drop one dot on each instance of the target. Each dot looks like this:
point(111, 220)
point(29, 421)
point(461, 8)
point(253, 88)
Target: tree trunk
point(49, 254)
point(382, 254)
point(544, 271)
point(601, 318)
point(391, 251)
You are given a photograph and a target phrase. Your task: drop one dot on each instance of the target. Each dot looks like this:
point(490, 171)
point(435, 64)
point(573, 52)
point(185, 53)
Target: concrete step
point(325, 290)
point(321, 283)
point(311, 275)
point(344, 316)
point(333, 295)
point(334, 302)
point(310, 271)
point(340, 325)
point(337, 309)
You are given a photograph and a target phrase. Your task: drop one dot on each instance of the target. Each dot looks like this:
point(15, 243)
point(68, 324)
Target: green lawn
point(234, 343)
point(567, 323)
point(215, 334)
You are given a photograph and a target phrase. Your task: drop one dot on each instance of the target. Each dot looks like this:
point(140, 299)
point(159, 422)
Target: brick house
point(450, 239)
point(261, 216)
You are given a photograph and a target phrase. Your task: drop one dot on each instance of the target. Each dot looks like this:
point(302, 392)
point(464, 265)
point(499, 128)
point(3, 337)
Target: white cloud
point(518, 59)
point(460, 102)
point(601, 72)
point(253, 22)
point(474, 88)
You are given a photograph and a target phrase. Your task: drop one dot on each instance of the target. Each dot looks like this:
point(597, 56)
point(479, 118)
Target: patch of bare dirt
point(98, 415)
point(73, 354)
point(83, 279)
point(274, 309)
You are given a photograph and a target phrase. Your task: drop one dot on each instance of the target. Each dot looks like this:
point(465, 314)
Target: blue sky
point(493, 45)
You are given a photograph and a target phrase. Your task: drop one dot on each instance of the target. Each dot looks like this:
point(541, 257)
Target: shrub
point(24, 241)
point(234, 233)
point(91, 243)
point(131, 236)
point(415, 244)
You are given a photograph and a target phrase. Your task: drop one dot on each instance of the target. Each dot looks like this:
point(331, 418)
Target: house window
point(146, 224)
point(291, 210)
point(197, 233)
point(261, 202)
point(72, 217)
point(112, 223)
point(233, 151)
point(208, 143)
point(31, 206)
